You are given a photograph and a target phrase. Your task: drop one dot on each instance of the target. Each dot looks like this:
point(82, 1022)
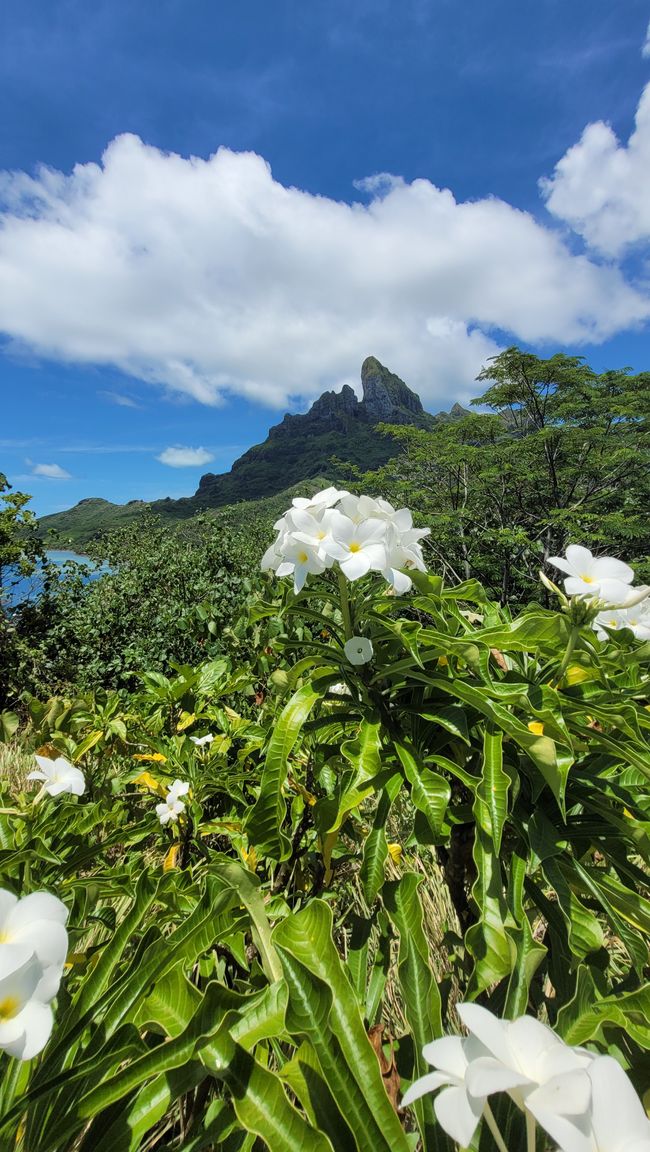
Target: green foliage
point(563, 455)
point(230, 975)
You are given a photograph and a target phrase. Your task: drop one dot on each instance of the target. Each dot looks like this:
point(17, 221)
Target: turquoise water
point(16, 590)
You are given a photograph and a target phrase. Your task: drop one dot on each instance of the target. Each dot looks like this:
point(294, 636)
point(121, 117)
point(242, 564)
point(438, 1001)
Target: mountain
point(297, 449)
point(337, 424)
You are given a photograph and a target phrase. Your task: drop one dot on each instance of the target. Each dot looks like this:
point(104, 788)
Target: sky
point(212, 212)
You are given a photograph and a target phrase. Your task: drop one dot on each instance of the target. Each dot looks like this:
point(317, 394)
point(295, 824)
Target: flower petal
point(428, 1083)
point(26, 1034)
point(489, 1030)
point(448, 1055)
point(487, 1075)
point(458, 1114)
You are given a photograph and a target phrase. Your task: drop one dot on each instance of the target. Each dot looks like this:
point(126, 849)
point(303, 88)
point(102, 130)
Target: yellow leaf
point(231, 714)
point(395, 852)
point(186, 720)
point(442, 661)
point(307, 796)
point(146, 780)
point(154, 757)
point(171, 859)
point(536, 727)
point(250, 858)
point(576, 675)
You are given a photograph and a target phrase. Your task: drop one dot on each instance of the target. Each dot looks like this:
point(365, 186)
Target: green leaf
point(323, 1010)
point(429, 792)
point(493, 788)
point(264, 821)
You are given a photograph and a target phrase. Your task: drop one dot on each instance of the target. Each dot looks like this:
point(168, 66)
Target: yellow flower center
point(355, 546)
point(9, 1007)
point(587, 579)
point(302, 557)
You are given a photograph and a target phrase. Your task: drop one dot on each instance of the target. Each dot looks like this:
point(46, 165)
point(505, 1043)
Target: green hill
point(298, 449)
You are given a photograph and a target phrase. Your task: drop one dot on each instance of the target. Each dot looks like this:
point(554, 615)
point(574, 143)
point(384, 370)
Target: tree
point(563, 455)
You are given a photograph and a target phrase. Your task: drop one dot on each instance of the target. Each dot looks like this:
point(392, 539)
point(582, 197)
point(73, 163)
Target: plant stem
point(345, 606)
point(494, 1128)
point(567, 655)
point(530, 1132)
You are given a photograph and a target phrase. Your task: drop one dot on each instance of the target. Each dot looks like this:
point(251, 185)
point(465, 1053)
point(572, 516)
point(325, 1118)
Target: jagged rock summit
point(337, 424)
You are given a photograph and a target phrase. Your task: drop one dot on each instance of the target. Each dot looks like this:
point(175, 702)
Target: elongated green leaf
point(429, 792)
point(494, 785)
point(259, 1098)
point(487, 940)
point(375, 849)
point(264, 821)
point(528, 954)
point(422, 1004)
point(323, 1010)
point(584, 931)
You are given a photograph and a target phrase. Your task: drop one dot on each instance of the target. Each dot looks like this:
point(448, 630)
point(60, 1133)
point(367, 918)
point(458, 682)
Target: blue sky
point(377, 192)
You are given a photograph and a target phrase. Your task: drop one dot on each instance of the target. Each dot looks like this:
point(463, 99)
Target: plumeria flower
point(528, 1061)
point(637, 619)
point(324, 499)
point(457, 1110)
point(173, 806)
point(36, 923)
point(589, 575)
point(616, 1120)
point(25, 1017)
point(357, 547)
point(59, 776)
point(359, 650)
point(200, 741)
point(300, 559)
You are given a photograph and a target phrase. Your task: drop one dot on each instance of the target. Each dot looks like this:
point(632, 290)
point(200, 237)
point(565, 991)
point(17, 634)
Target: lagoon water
point(16, 591)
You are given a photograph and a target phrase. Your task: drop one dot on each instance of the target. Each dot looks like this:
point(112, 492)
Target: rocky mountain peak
point(386, 397)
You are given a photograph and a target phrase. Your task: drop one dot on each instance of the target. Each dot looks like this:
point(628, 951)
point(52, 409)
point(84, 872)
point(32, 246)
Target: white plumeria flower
point(358, 649)
point(36, 923)
point(323, 499)
point(589, 575)
point(637, 619)
point(300, 559)
point(458, 1111)
point(173, 805)
point(528, 1061)
point(339, 690)
point(200, 741)
point(357, 547)
point(59, 776)
point(25, 1018)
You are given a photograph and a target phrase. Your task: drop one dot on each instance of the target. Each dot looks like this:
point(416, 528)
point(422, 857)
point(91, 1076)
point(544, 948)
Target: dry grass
point(15, 763)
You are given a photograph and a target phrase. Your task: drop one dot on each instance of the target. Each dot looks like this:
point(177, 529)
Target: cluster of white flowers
point(610, 580)
point(171, 809)
point(358, 533)
point(33, 948)
point(585, 1102)
point(58, 776)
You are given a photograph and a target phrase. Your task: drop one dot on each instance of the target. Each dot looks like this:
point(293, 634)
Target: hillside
point(297, 449)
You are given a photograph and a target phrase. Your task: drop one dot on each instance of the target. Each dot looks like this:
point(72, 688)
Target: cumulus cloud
point(645, 51)
point(211, 278)
point(179, 457)
point(600, 186)
point(52, 471)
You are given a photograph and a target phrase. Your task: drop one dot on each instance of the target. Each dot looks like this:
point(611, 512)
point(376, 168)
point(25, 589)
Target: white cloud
point(600, 186)
point(210, 278)
point(645, 51)
point(119, 398)
point(52, 471)
point(185, 457)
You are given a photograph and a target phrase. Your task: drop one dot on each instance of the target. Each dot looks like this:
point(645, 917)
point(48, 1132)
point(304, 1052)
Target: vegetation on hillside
point(297, 826)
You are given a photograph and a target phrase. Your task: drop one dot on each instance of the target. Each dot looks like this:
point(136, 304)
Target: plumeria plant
point(385, 747)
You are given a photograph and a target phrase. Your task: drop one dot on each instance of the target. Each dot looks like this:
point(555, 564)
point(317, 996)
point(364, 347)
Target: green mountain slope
point(298, 449)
